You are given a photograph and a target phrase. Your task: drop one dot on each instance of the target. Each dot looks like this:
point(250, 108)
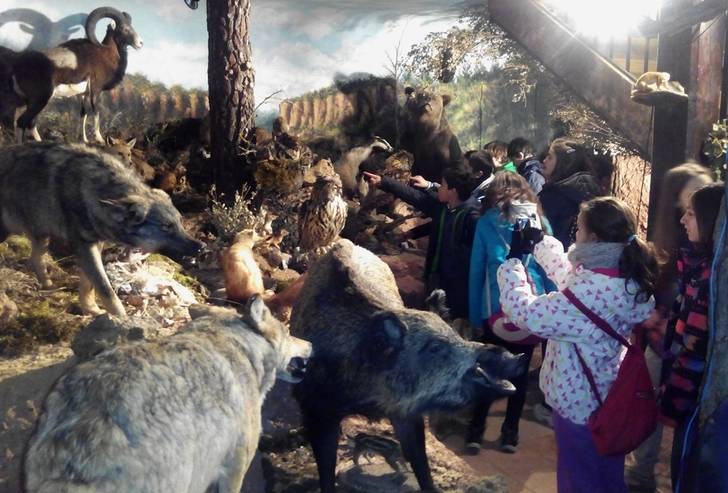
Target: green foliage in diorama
point(476, 52)
point(482, 109)
point(498, 92)
point(715, 147)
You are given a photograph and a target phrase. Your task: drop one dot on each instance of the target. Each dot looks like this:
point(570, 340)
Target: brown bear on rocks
point(428, 135)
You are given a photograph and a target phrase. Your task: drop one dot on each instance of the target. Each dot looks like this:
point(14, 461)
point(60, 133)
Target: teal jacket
point(491, 244)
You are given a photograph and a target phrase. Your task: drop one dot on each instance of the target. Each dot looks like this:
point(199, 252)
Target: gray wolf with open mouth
point(182, 414)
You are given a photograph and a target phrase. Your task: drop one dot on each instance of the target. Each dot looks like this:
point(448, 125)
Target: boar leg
point(411, 435)
point(89, 260)
point(39, 247)
point(324, 437)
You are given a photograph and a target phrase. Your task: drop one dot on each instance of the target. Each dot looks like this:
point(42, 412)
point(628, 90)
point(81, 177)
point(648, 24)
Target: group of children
point(524, 248)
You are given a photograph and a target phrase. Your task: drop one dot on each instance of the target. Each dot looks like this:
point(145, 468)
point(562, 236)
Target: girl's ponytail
point(639, 263)
point(611, 220)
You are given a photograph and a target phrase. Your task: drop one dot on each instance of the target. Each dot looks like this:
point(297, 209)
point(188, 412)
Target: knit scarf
point(596, 255)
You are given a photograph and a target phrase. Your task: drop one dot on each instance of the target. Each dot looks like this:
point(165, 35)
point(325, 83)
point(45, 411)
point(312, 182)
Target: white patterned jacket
point(553, 317)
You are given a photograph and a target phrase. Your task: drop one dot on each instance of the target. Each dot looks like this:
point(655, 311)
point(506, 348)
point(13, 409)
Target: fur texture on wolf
point(177, 415)
point(81, 196)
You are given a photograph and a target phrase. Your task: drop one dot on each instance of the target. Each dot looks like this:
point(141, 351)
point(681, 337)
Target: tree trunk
point(230, 78)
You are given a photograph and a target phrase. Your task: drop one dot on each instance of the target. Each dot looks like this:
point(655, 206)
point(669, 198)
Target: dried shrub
point(228, 220)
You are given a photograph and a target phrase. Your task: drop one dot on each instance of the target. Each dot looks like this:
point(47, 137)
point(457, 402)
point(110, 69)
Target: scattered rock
point(156, 287)
point(376, 476)
point(289, 465)
point(284, 277)
point(493, 484)
point(107, 331)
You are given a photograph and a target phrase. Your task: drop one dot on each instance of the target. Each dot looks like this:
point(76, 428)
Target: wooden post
point(669, 128)
point(706, 81)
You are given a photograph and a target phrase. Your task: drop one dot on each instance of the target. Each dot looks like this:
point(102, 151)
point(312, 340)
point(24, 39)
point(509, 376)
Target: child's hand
point(530, 237)
point(517, 245)
point(372, 179)
point(524, 240)
point(656, 323)
point(419, 182)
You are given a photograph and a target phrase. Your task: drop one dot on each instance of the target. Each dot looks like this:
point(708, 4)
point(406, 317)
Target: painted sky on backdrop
point(298, 45)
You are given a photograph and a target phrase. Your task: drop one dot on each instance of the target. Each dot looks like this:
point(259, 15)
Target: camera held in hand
point(527, 230)
point(530, 234)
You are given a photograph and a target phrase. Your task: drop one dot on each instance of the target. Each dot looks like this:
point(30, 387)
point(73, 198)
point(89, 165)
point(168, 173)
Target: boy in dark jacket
point(451, 234)
point(482, 168)
point(520, 152)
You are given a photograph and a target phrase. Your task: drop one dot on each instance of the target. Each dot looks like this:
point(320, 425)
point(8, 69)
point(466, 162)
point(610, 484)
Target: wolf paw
point(92, 310)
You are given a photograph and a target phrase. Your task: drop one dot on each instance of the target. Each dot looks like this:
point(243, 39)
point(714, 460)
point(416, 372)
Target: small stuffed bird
point(322, 217)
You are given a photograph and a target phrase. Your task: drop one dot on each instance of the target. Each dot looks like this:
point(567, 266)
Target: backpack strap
point(603, 325)
point(589, 375)
point(596, 319)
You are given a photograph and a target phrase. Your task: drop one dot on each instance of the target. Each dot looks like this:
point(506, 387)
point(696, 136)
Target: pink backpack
point(629, 413)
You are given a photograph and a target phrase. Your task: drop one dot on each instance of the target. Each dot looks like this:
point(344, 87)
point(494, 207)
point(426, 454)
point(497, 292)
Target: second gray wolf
point(181, 414)
point(81, 196)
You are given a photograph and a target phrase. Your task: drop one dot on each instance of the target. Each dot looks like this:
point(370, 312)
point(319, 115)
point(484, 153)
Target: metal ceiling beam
point(603, 86)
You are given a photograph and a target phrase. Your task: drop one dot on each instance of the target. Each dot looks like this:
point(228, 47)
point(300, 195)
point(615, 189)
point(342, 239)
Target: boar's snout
point(494, 366)
point(513, 365)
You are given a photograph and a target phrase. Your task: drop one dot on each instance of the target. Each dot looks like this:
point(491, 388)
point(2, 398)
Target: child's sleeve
point(549, 254)
point(476, 278)
point(418, 199)
point(550, 316)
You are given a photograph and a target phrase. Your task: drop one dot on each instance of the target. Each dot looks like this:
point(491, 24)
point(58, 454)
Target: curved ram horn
point(72, 20)
point(27, 16)
point(31, 22)
point(96, 15)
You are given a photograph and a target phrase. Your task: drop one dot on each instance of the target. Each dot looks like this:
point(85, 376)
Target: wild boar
point(376, 358)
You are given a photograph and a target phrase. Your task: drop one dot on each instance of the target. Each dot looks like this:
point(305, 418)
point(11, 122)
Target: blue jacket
point(532, 171)
point(491, 244)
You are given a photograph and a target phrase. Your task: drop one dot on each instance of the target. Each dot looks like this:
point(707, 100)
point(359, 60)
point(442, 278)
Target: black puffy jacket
point(561, 201)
